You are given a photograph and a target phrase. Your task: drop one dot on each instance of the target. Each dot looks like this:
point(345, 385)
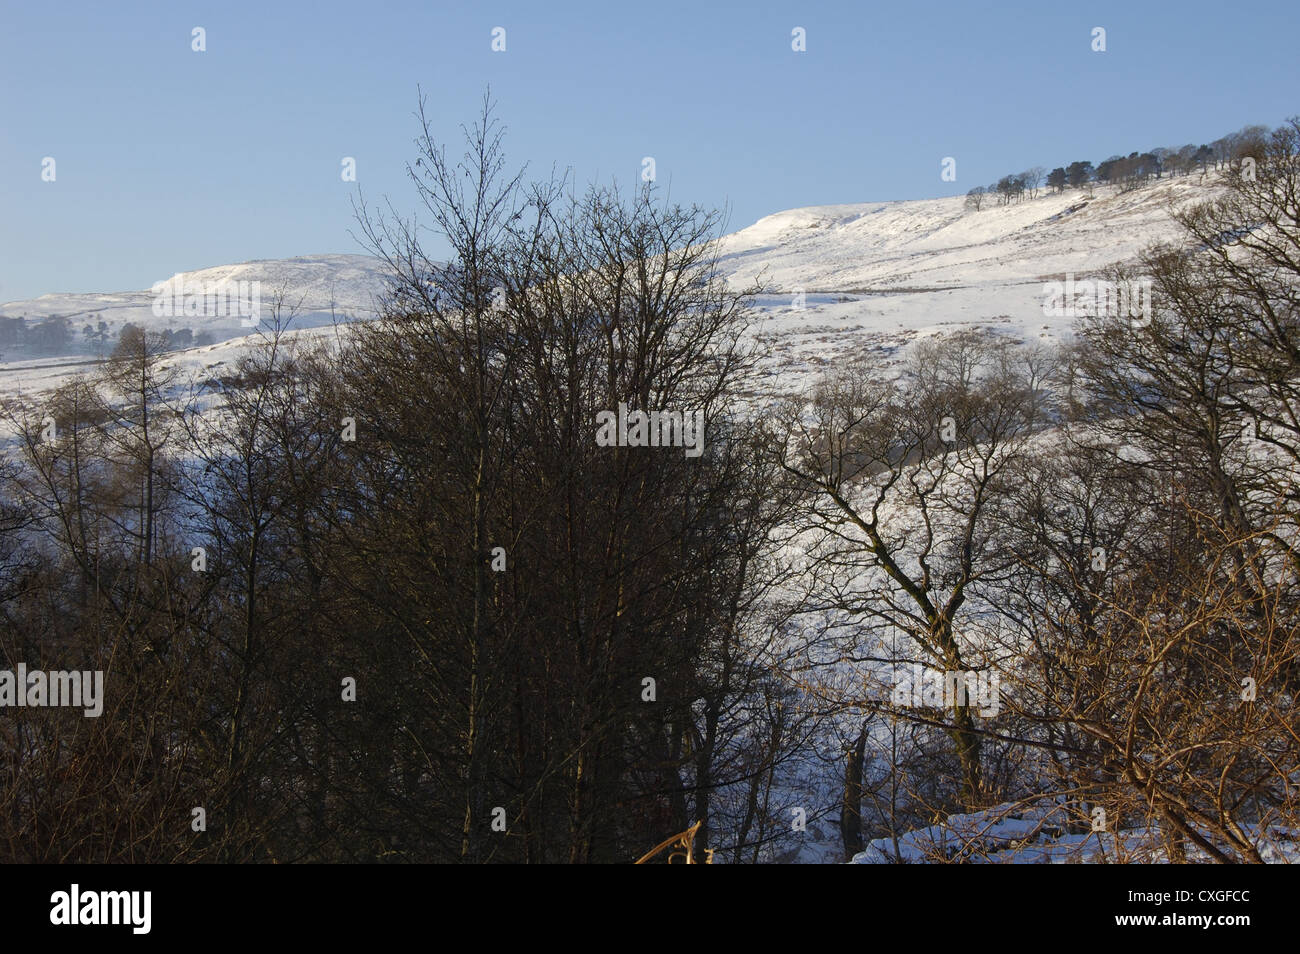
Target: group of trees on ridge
point(1128, 172)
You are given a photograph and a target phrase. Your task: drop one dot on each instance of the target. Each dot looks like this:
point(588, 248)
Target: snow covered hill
point(318, 288)
point(877, 275)
point(841, 280)
point(941, 244)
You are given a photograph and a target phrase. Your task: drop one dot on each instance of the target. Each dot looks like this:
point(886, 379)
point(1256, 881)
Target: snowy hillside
point(941, 244)
point(874, 276)
point(316, 287)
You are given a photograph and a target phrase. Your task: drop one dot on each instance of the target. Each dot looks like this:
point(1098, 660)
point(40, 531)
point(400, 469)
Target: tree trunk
point(851, 804)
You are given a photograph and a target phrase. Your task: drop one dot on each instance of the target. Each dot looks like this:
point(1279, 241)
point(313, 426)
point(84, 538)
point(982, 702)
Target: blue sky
point(168, 159)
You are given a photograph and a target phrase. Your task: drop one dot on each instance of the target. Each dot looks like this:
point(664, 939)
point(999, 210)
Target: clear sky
point(168, 159)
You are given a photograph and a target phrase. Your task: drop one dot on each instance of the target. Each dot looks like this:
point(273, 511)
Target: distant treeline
point(1128, 172)
point(59, 335)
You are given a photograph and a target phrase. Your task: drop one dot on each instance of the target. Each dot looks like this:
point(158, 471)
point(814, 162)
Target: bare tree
point(1033, 177)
